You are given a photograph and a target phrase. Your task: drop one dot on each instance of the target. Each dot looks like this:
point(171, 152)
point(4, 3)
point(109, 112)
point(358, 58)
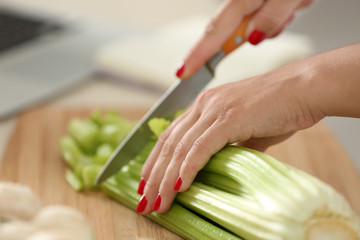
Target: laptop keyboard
point(16, 29)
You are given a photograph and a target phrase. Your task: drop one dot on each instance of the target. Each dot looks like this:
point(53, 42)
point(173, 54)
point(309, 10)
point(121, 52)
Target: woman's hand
point(269, 19)
point(256, 112)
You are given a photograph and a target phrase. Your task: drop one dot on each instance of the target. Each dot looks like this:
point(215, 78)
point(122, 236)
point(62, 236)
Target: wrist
point(334, 82)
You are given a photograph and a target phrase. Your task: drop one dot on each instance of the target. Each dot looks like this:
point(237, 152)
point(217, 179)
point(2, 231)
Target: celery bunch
point(89, 144)
point(240, 193)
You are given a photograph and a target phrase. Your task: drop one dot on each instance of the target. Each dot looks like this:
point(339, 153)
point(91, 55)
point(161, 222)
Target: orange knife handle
point(237, 38)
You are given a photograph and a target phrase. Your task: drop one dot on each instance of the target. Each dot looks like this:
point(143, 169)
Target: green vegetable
point(103, 153)
point(70, 151)
point(74, 180)
point(85, 133)
point(89, 174)
point(89, 144)
point(240, 193)
point(158, 125)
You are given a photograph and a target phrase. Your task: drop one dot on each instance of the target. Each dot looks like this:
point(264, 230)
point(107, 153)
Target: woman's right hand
point(269, 19)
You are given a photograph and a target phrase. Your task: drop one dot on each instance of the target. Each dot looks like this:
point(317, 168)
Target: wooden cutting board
point(32, 157)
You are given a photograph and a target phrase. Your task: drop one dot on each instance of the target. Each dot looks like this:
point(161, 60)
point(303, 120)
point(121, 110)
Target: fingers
point(202, 150)
point(270, 19)
point(158, 171)
point(223, 24)
point(185, 150)
point(166, 188)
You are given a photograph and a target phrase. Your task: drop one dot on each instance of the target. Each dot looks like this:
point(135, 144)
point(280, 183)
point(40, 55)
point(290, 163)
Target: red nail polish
point(180, 70)
point(256, 37)
point(141, 186)
point(178, 184)
point(142, 204)
point(157, 203)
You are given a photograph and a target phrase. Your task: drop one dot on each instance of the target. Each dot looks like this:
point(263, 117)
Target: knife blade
point(177, 97)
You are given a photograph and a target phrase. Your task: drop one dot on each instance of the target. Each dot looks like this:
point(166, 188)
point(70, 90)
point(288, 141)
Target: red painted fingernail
point(157, 203)
point(256, 37)
point(178, 184)
point(142, 204)
point(180, 70)
point(141, 186)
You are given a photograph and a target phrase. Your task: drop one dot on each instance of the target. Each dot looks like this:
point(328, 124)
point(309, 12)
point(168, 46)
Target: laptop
point(42, 55)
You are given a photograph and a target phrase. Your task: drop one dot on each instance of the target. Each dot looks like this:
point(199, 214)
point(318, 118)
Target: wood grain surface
point(32, 157)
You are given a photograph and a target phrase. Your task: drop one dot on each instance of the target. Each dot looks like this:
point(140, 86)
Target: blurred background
point(140, 44)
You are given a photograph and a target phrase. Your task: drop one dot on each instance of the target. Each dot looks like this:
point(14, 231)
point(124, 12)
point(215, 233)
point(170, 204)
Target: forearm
point(333, 89)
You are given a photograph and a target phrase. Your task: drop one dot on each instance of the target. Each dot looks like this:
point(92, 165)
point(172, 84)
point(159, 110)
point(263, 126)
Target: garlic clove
point(16, 230)
point(18, 201)
point(64, 221)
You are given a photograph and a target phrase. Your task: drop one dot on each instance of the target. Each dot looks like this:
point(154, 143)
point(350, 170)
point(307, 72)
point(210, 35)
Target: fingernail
point(141, 186)
point(142, 204)
point(256, 37)
point(157, 203)
point(178, 184)
point(180, 70)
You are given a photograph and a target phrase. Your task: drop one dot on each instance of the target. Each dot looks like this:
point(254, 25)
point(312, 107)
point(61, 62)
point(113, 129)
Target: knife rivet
point(238, 39)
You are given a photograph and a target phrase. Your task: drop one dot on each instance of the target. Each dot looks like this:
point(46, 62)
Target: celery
point(70, 151)
point(240, 193)
point(89, 174)
point(178, 219)
point(103, 153)
point(89, 144)
point(74, 180)
point(85, 132)
point(158, 125)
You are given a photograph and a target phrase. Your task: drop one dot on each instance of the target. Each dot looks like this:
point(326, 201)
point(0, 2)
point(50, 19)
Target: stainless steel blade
point(177, 97)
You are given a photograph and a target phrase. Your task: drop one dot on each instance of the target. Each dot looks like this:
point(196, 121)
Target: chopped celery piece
point(103, 152)
point(74, 181)
point(113, 117)
point(96, 117)
point(158, 125)
point(85, 132)
point(70, 151)
point(89, 174)
point(113, 134)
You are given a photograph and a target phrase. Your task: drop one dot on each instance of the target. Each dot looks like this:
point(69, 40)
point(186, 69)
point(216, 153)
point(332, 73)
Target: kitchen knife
point(177, 97)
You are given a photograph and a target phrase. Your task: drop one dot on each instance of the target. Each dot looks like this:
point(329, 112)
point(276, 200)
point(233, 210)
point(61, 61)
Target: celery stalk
point(74, 181)
point(178, 219)
point(240, 193)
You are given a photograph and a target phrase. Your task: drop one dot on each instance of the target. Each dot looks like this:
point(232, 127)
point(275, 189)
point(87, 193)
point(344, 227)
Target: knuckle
point(200, 144)
point(211, 28)
point(180, 151)
point(151, 183)
point(207, 96)
point(190, 167)
point(163, 137)
point(271, 20)
point(166, 184)
point(225, 114)
point(145, 169)
point(167, 148)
